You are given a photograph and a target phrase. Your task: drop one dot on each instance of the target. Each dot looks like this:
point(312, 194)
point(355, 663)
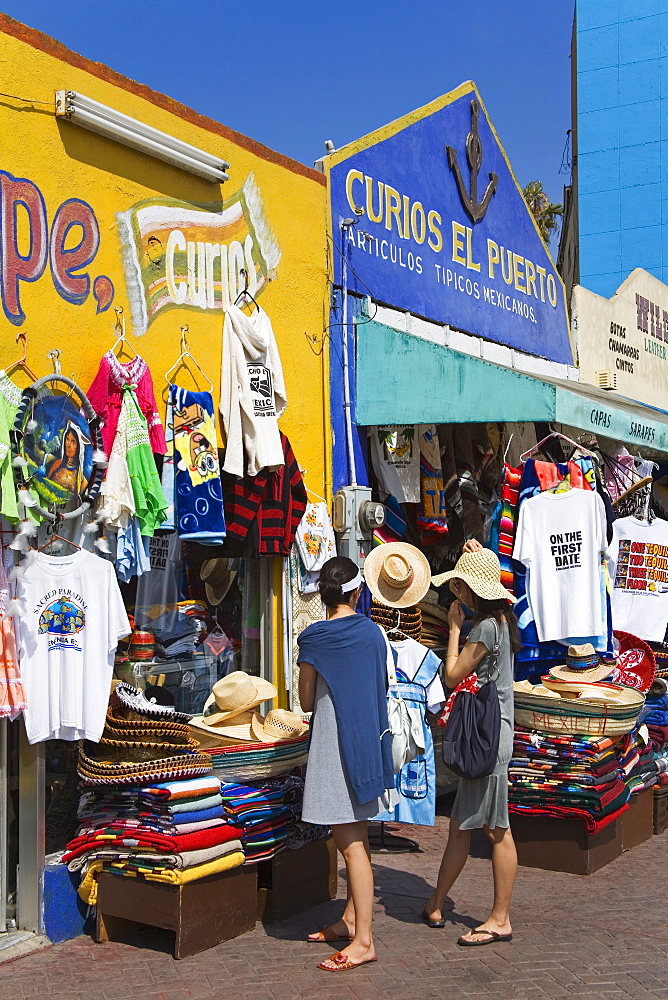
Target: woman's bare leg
point(454, 858)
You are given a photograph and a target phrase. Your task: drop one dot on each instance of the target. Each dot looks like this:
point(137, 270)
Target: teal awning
point(405, 380)
point(402, 379)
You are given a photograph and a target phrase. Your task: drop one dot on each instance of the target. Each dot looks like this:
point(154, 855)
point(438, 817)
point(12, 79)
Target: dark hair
point(501, 611)
point(335, 572)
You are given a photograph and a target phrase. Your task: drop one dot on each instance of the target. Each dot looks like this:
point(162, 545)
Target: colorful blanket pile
point(567, 776)
point(174, 831)
point(263, 817)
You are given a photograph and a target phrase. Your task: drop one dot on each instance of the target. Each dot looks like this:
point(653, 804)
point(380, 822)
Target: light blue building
point(620, 142)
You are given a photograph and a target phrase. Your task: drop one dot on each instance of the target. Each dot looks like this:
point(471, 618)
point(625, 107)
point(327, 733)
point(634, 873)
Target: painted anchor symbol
point(476, 209)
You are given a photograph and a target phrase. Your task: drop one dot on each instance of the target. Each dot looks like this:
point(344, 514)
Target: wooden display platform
point(295, 880)
point(638, 820)
point(660, 809)
point(201, 914)
point(563, 844)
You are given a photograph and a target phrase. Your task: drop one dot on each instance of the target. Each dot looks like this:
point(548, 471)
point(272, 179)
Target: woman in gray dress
point(342, 679)
point(481, 803)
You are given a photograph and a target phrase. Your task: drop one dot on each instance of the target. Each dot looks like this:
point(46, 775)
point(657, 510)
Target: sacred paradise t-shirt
point(639, 572)
point(560, 539)
point(67, 634)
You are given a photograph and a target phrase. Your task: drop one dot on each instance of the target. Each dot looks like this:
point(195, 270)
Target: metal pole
point(30, 890)
point(346, 370)
point(3, 825)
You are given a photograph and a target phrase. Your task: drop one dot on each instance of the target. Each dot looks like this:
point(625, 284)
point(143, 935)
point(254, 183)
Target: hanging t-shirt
point(639, 574)
point(67, 635)
point(560, 539)
point(395, 455)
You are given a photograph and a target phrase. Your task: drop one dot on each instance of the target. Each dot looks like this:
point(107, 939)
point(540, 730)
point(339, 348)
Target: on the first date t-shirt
point(561, 538)
point(67, 635)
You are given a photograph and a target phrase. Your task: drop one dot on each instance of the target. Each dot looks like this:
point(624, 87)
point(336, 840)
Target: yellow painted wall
point(67, 162)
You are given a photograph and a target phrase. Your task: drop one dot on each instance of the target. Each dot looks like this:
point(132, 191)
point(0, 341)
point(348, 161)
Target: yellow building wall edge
point(72, 172)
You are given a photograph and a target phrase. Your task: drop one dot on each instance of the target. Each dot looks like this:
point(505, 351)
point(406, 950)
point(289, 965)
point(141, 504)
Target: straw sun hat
point(583, 664)
point(278, 725)
point(232, 696)
point(481, 570)
point(397, 574)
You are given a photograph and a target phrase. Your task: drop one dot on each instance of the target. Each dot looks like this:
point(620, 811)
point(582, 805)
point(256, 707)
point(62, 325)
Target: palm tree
point(542, 209)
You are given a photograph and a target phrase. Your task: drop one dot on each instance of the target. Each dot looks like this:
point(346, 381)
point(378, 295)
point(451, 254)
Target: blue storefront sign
point(441, 229)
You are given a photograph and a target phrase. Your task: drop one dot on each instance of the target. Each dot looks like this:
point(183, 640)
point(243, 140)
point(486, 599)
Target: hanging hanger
point(185, 353)
point(562, 437)
point(123, 341)
point(21, 362)
point(244, 293)
point(53, 537)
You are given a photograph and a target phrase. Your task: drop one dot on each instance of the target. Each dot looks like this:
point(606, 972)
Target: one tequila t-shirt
point(639, 573)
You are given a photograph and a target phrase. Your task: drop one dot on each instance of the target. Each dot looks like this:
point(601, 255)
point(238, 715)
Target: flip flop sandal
point(321, 936)
point(492, 938)
point(342, 963)
point(432, 923)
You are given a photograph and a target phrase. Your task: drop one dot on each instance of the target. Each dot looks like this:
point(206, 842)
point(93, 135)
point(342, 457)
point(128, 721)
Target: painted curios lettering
point(27, 244)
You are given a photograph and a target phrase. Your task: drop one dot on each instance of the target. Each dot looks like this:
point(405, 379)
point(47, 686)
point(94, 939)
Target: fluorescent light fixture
point(113, 124)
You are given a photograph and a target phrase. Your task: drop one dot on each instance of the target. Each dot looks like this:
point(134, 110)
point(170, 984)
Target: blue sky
point(293, 74)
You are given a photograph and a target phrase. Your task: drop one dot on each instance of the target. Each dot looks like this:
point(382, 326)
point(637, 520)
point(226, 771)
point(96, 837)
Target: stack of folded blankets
point(150, 807)
point(579, 776)
point(262, 816)
point(652, 766)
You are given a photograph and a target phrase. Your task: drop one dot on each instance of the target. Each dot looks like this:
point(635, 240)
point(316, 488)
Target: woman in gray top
point(483, 802)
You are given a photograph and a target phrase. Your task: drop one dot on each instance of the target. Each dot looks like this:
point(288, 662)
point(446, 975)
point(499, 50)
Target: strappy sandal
point(322, 937)
point(342, 963)
point(492, 938)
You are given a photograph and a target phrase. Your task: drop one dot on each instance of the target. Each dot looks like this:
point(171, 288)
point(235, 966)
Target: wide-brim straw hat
point(583, 665)
point(234, 694)
point(278, 725)
point(397, 574)
point(238, 728)
point(481, 570)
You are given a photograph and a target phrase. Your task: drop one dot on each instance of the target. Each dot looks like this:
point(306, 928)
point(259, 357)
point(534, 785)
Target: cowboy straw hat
point(481, 570)
point(218, 577)
point(397, 574)
point(233, 694)
point(237, 730)
point(278, 725)
point(583, 664)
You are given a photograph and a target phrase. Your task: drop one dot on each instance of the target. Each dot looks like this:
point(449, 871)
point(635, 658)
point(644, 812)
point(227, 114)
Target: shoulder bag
point(404, 720)
point(471, 737)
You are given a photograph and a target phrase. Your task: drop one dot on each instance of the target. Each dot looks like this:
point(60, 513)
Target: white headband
point(353, 584)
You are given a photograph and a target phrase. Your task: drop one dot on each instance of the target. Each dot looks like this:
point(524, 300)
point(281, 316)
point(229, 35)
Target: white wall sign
point(626, 336)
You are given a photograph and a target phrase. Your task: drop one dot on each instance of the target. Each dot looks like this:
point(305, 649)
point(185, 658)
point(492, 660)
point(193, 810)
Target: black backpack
point(471, 738)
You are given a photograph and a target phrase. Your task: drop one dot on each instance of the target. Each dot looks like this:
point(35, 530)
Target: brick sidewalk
point(601, 936)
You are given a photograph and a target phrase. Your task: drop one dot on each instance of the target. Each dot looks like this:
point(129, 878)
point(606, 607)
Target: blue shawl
point(350, 655)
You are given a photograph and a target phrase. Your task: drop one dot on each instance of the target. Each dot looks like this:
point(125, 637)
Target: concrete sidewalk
point(597, 936)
